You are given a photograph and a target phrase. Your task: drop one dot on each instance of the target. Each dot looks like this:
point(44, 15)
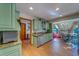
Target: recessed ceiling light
point(31, 8)
point(60, 15)
point(57, 9)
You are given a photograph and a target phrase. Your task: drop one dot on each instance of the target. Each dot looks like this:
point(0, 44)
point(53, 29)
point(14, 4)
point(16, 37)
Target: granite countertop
point(39, 34)
point(9, 44)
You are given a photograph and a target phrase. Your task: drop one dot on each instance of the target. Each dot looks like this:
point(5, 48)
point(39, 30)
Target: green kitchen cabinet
point(44, 25)
point(35, 25)
point(48, 36)
point(35, 41)
point(14, 50)
point(40, 26)
point(39, 40)
point(45, 37)
point(7, 16)
point(17, 26)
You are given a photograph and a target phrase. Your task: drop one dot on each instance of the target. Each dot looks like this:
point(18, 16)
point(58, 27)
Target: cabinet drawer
point(40, 40)
point(14, 50)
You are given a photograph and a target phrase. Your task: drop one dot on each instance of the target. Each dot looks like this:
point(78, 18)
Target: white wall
point(26, 15)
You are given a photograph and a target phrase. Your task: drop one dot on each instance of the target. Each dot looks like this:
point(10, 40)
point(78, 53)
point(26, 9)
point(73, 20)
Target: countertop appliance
point(8, 36)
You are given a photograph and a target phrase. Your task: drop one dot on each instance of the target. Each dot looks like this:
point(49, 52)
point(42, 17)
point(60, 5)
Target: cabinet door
point(5, 15)
point(35, 41)
point(40, 26)
point(14, 17)
point(11, 51)
point(17, 26)
point(49, 36)
point(36, 25)
point(40, 40)
point(8, 16)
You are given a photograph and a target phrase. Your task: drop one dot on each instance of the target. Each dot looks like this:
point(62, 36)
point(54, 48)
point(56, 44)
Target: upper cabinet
point(44, 25)
point(8, 15)
point(17, 26)
point(37, 25)
point(41, 25)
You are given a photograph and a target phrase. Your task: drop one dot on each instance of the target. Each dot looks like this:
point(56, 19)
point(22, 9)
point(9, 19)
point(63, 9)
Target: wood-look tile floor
point(56, 47)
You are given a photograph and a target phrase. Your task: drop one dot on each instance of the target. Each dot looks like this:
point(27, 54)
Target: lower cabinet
point(11, 51)
point(37, 41)
point(49, 36)
point(40, 40)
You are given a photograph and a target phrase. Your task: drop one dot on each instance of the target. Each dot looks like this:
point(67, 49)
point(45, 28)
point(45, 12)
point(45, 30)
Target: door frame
point(21, 18)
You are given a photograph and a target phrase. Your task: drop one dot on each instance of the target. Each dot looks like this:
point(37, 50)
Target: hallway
point(55, 47)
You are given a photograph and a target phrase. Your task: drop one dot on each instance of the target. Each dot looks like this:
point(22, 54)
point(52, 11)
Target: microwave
point(8, 36)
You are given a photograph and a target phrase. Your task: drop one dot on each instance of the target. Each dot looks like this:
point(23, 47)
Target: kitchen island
point(41, 38)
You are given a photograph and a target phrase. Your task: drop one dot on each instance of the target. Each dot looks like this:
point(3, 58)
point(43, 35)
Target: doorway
point(26, 34)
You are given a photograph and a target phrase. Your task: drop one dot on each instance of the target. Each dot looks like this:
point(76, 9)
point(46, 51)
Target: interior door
point(23, 31)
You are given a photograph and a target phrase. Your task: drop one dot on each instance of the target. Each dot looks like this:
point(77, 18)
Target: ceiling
point(48, 10)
